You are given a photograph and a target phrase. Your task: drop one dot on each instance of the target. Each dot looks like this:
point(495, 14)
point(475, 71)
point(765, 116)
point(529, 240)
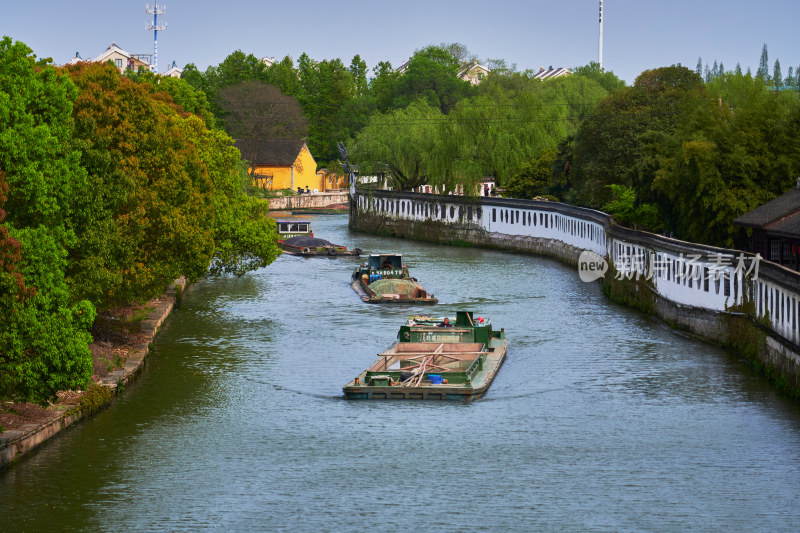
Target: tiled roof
point(774, 212)
point(551, 73)
point(789, 227)
point(273, 152)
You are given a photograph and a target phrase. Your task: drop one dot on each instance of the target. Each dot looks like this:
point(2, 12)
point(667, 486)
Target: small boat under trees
point(383, 278)
point(296, 238)
point(434, 360)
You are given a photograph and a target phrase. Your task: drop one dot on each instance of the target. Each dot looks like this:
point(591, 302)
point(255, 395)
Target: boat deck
point(430, 371)
point(358, 287)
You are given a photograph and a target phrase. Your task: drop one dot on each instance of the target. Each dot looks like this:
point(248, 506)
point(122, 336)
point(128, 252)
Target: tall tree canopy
point(253, 111)
point(698, 155)
point(158, 181)
point(432, 75)
point(43, 331)
point(508, 124)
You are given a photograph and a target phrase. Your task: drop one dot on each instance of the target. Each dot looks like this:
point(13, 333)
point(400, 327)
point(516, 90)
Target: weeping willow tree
point(399, 145)
point(494, 134)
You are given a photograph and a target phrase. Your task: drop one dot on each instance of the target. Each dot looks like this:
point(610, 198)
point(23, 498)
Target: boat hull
point(357, 389)
point(318, 251)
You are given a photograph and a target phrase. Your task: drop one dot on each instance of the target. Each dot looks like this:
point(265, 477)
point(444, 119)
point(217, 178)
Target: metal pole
point(600, 48)
point(155, 40)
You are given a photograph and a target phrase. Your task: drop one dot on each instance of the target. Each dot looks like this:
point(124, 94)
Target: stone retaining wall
point(15, 443)
point(320, 200)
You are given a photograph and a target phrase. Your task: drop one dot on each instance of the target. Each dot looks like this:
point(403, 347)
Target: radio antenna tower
point(155, 10)
point(600, 47)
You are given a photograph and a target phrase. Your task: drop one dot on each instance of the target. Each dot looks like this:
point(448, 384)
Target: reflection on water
point(601, 418)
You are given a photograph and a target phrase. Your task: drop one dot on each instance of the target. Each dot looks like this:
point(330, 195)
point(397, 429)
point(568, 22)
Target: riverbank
point(122, 340)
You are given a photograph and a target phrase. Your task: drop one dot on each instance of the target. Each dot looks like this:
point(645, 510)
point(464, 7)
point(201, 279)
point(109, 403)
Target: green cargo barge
point(434, 361)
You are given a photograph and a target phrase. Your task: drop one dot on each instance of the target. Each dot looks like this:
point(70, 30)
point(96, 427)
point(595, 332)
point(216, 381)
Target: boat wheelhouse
point(294, 228)
point(384, 278)
point(432, 360)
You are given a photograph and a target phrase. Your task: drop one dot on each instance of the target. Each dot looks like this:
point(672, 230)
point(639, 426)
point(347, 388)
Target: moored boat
point(383, 278)
point(296, 238)
point(432, 360)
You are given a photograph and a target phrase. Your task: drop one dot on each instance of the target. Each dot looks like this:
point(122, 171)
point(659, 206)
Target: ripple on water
point(600, 419)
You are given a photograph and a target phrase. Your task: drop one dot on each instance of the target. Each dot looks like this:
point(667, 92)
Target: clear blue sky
point(637, 34)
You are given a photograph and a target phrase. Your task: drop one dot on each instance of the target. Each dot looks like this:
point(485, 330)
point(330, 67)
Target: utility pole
point(155, 10)
point(600, 47)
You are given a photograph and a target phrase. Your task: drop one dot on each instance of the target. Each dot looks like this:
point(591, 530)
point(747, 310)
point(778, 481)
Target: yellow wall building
point(330, 180)
point(281, 164)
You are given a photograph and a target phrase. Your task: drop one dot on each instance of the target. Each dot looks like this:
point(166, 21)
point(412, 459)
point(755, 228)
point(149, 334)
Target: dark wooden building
point(776, 229)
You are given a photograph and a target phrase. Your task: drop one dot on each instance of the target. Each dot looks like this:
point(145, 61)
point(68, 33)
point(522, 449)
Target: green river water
point(601, 419)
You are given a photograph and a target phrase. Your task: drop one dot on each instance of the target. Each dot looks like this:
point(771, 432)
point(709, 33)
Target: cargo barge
point(296, 238)
point(434, 360)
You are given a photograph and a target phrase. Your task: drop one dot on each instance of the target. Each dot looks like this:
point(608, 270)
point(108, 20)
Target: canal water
point(600, 419)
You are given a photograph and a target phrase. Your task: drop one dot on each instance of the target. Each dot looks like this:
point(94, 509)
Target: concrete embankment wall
point(319, 200)
point(16, 443)
point(736, 299)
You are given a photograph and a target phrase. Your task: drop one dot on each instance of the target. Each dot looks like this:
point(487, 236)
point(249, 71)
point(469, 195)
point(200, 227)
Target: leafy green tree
point(623, 206)
point(710, 154)
point(399, 146)
point(186, 97)
point(763, 66)
point(235, 68)
point(245, 238)
point(143, 221)
point(159, 182)
point(254, 111)
point(327, 87)
point(11, 281)
point(382, 85)
point(605, 78)
point(512, 121)
point(194, 77)
point(43, 332)
point(608, 145)
point(500, 67)
point(432, 75)
point(777, 76)
point(534, 179)
point(358, 70)
point(460, 52)
point(285, 77)
point(353, 117)
point(507, 125)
